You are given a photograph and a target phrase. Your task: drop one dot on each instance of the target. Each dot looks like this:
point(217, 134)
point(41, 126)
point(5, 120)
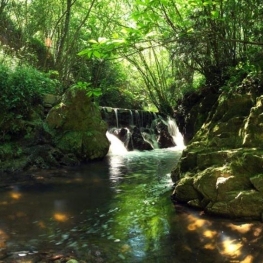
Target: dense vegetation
point(134, 54)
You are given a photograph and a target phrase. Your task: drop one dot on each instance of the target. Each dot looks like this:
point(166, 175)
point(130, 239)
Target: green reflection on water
point(142, 204)
point(131, 224)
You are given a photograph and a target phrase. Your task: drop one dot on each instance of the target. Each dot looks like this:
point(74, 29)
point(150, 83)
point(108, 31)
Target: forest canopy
point(139, 53)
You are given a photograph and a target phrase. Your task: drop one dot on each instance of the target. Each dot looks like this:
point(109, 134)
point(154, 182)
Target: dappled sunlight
point(3, 239)
point(210, 234)
point(240, 242)
point(257, 232)
point(243, 228)
point(210, 246)
point(15, 195)
point(41, 224)
point(202, 227)
point(60, 207)
point(230, 247)
point(248, 259)
point(60, 217)
point(195, 223)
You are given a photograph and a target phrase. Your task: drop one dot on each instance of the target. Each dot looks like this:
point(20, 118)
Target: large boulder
point(220, 171)
point(77, 126)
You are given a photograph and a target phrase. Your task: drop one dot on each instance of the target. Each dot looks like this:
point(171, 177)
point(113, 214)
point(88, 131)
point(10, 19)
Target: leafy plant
point(93, 93)
point(21, 90)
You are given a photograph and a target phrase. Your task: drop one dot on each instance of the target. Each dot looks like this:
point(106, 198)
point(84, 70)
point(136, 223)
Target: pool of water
point(118, 210)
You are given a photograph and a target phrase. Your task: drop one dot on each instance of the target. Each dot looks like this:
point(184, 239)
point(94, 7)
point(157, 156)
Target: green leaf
point(84, 52)
point(93, 41)
point(206, 3)
point(97, 54)
point(102, 40)
point(215, 14)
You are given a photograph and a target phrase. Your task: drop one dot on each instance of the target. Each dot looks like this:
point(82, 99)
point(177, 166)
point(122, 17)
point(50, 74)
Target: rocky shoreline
point(221, 170)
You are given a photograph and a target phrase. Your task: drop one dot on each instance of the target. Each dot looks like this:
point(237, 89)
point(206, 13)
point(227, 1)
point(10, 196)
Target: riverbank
point(221, 169)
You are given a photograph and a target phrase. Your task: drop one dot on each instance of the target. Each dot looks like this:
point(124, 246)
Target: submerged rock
point(221, 169)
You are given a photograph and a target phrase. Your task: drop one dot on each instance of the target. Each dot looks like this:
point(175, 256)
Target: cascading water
point(140, 130)
point(116, 116)
point(131, 114)
point(175, 133)
point(117, 146)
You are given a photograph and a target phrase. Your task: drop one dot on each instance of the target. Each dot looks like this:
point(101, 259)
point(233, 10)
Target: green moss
point(77, 126)
point(9, 151)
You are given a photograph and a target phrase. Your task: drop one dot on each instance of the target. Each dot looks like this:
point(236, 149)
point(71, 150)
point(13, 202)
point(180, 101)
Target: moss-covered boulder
point(77, 126)
point(220, 171)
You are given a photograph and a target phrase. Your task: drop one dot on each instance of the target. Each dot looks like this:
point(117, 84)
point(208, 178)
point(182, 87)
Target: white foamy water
point(175, 133)
point(116, 145)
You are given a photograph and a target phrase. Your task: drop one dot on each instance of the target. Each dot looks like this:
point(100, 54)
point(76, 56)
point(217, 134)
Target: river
point(117, 210)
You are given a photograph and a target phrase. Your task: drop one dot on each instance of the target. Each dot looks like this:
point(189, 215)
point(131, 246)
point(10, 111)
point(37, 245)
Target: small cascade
point(151, 139)
point(132, 121)
point(137, 118)
point(175, 133)
point(130, 130)
point(116, 145)
point(117, 118)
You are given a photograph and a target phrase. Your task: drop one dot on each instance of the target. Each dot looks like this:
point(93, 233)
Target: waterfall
point(116, 145)
point(130, 130)
point(175, 133)
point(117, 118)
point(131, 122)
point(137, 118)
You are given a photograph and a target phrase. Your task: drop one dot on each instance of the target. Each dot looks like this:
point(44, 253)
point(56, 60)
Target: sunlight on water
point(140, 226)
point(119, 210)
point(60, 217)
point(15, 195)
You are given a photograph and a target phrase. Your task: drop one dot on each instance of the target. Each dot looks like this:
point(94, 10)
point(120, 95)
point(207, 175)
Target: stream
point(118, 210)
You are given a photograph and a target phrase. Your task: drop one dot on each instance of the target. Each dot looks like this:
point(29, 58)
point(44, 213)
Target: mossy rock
point(77, 126)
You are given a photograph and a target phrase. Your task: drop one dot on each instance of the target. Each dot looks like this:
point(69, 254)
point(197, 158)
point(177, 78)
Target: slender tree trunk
point(63, 39)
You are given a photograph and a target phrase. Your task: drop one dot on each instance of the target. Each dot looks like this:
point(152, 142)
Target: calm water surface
point(119, 210)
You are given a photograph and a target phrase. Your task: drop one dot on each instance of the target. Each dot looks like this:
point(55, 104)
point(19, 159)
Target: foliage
point(170, 46)
point(21, 89)
point(244, 78)
point(203, 38)
point(24, 88)
point(116, 98)
point(91, 92)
